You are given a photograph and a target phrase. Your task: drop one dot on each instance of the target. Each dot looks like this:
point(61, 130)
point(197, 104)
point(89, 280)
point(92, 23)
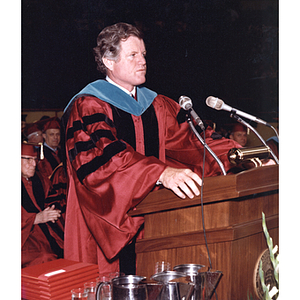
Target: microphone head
point(185, 102)
point(214, 102)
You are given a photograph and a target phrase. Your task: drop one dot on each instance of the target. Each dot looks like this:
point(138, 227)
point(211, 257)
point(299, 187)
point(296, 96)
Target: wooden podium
point(233, 206)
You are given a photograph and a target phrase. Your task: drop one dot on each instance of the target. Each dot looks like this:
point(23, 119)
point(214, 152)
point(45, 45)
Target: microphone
point(186, 103)
point(219, 104)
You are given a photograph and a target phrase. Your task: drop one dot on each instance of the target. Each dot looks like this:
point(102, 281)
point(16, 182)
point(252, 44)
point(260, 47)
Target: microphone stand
point(233, 115)
point(188, 119)
point(206, 146)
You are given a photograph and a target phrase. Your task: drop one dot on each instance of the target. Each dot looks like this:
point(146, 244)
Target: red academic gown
point(52, 168)
point(108, 177)
point(40, 242)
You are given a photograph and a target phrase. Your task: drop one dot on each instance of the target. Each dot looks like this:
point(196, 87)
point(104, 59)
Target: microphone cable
point(202, 206)
point(201, 194)
point(202, 210)
point(189, 121)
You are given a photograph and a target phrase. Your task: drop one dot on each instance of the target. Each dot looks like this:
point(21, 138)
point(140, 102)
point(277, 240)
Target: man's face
point(240, 137)
point(130, 69)
point(28, 164)
point(52, 137)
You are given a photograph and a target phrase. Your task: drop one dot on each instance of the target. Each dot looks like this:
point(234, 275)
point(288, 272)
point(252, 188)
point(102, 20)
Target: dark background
point(198, 48)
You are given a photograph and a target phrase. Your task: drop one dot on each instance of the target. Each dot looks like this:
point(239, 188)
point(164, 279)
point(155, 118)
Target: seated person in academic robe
point(122, 142)
point(33, 132)
point(42, 230)
point(51, 166)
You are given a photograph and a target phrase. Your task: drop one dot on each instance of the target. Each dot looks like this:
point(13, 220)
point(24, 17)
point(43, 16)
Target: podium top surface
point(218, 188)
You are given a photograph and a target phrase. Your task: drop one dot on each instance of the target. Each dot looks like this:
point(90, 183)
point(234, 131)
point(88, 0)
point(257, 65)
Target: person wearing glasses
point(42, 231)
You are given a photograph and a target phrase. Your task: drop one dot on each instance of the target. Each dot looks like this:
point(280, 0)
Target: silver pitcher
point(189, 269)
point(129, 287)
point(205, 281)
point(176, 285)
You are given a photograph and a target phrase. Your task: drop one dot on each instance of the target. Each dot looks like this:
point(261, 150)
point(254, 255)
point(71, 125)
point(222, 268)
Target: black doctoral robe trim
point(151, 136)
point(49, 156)
point(108, 152)
point(125, 129)
point(124, 126)
point(126, 132)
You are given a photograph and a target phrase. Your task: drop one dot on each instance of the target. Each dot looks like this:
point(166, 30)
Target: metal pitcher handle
point(100, 288)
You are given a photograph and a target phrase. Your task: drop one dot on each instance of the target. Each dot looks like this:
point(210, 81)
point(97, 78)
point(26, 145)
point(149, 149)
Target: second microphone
point(186, 104)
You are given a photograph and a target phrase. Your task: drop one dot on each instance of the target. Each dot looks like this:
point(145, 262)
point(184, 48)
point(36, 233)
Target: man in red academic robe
point(33, 133)
point(42, 231)
point(51, 166)
point(119, 149)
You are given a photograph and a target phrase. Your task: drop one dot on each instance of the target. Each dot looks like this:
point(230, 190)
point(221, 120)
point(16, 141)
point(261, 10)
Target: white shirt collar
point(50, 147)
point(120, 87)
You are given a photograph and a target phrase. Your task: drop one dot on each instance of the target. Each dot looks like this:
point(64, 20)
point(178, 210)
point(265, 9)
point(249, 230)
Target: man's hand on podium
point(181, 181)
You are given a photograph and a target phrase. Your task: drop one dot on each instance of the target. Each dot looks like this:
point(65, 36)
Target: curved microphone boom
point(240, 120)
point(186, 103)
point(219, 104)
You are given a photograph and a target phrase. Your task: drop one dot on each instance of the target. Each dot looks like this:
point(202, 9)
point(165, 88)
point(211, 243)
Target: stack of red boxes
point(55, 279)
